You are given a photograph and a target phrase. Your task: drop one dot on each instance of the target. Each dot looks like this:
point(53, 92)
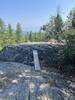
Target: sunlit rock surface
point(22, 82)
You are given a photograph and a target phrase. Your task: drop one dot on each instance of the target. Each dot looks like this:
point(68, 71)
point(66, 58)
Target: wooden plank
point(36, 60)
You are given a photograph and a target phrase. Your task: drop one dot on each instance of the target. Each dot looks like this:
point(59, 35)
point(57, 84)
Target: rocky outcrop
point(49, 54)
point(22, 82)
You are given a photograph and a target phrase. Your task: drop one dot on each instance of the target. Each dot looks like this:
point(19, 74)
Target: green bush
point(69, 50)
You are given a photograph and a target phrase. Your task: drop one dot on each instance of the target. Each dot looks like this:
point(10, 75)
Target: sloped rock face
point(48, 54)
point(21, 82)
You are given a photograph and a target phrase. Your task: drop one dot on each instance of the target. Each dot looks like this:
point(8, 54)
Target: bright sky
point(32, 13)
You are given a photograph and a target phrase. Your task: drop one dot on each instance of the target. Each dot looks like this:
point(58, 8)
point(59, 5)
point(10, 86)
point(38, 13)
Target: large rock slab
point(21, 82)
point(48, 54)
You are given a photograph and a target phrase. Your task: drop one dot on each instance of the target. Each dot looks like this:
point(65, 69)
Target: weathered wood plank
point(36, 60)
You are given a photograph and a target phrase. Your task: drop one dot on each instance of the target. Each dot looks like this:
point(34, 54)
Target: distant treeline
point(9, 36)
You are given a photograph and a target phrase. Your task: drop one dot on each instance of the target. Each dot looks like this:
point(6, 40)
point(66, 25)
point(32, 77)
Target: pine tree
point(2, 33)
point(73, 19)
point(10, 30)
point(58, 23)
point(2, 26)
point(18, 32)
point(10, 34)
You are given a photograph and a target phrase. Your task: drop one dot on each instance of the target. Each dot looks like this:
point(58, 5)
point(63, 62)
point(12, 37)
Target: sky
point(32, 13)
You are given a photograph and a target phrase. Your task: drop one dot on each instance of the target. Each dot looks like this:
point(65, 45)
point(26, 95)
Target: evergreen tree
point(73, 19)
point(10, 31)
point(18, 32)
point(2, 26)
point(49, 28)
point(58, 23)
point(2, 33)
point(10, 34)
point(54, 26)
point(30, 36)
